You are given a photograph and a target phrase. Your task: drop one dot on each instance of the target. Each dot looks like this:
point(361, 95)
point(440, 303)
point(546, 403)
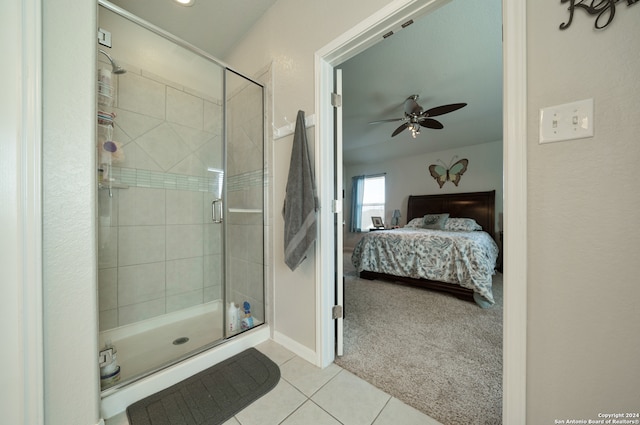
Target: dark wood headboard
point(481, 206)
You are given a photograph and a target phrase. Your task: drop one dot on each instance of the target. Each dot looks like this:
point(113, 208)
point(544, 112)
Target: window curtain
point(357, 194)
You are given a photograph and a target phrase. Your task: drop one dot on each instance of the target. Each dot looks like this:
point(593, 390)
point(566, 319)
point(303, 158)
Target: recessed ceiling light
point(185, 2)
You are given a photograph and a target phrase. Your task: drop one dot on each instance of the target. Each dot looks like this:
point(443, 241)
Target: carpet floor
point(211, 396)
point(439, 354)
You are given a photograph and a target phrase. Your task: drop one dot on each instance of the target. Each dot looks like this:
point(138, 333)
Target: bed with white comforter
point(465, 258)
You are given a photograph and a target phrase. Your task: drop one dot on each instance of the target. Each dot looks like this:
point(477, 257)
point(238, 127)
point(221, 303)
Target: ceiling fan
point(415, 116)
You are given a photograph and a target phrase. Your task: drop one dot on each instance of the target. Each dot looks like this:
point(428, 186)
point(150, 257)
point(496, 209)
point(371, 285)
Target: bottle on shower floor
point(247, 320)
point(233, 318)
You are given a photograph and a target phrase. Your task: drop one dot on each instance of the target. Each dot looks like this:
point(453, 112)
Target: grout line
point(381, 410)
point(328, 413)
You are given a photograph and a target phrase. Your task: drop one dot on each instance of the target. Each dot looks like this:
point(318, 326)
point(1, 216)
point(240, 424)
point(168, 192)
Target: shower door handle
point(216, 218)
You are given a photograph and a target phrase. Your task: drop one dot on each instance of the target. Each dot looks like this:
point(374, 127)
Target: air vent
point(389, 34)
point(406, 24)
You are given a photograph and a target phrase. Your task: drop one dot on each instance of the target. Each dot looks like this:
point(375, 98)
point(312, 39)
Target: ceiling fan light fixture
point(415, 129)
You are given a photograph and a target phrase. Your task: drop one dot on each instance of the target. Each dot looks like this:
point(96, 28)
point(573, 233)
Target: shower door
point(244, 222)
point(180, 224)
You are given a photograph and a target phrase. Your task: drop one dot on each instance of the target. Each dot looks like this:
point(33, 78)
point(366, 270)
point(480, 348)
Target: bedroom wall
point(583, 211)
point(410, 176)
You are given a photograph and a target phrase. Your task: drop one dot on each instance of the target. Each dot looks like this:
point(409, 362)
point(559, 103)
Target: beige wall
point(289, 35)
point(582, 356)
point(582, 219)
point(581, 360)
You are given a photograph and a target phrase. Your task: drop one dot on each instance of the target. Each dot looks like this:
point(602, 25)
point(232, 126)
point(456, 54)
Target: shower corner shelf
point(112, 185)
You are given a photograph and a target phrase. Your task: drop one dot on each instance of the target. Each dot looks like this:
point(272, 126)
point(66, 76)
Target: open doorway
point(514, 182)
point(459, 60)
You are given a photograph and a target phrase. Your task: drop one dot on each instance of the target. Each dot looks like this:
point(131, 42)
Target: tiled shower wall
point(158, 248)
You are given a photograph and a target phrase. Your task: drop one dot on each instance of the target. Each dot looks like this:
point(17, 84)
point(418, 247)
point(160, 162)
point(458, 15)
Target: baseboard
point(101, 422)
point(300, 350)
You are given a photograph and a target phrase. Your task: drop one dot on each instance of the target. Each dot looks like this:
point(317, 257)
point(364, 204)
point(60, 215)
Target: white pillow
point(462, 225)
point(416, 222)
point(435, 221)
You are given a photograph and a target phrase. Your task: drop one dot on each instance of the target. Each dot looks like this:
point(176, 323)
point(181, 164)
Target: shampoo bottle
point(233, 318)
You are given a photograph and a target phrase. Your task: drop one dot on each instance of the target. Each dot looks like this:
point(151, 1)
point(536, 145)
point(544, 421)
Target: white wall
point(410, 176)
point(69, 249)
point(582, 218)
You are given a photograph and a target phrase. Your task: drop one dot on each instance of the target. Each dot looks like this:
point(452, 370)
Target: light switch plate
point(566, 122)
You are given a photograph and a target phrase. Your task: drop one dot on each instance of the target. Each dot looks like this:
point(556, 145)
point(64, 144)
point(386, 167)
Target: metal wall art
point(604, 10)
point(452, 173)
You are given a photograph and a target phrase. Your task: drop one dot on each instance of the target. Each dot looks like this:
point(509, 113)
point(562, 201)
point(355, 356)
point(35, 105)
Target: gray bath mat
point(212, 396)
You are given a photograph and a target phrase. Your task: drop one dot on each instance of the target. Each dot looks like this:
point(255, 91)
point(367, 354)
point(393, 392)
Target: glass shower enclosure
point(180, 216)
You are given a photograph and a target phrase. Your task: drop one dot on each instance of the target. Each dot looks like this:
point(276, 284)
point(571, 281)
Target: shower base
point(150, 361)
point(147, 345)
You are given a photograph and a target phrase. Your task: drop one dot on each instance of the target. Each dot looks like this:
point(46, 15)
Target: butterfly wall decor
point(452, 173)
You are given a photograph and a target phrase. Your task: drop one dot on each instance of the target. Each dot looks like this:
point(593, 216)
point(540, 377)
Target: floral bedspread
point(464, 258)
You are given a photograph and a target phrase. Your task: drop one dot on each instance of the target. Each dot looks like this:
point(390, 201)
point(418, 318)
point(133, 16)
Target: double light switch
point(566, 122)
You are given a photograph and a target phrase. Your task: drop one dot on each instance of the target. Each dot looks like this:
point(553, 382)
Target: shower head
point(116, 69)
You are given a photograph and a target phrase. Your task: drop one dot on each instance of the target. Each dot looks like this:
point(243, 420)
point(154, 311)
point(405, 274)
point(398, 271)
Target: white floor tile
point(351, 400)
point(396, 412)
point(119, 419)
point(306, 377)
point(310, 414)
point(275, 352)
point(308, 395)
point(273, 407)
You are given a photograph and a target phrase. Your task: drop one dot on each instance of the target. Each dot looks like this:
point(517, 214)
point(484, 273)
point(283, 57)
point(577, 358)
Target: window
point(368, 200)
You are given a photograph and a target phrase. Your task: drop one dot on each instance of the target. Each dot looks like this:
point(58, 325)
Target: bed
point(458, 262)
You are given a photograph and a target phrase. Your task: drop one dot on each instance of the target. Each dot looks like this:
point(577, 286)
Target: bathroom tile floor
point(308, 395)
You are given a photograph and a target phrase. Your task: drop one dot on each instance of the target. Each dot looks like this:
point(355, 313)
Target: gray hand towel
point(300, 203)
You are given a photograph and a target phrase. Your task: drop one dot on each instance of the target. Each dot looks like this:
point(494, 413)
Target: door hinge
point(336, 312)
point(336, 100)
point(336, 205)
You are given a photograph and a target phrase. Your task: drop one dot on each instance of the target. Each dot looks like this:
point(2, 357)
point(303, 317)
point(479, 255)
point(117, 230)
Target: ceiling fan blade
point(444, 109)
point(388, 120)
point(430, 123)
point(400, 129)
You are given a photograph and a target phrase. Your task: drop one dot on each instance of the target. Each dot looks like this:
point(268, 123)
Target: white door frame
point(21, 211)
point(355, 41)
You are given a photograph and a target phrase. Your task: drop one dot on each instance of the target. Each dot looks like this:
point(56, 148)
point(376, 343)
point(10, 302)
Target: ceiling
point(452, 55)
point(449, 56)
point(214, 26)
